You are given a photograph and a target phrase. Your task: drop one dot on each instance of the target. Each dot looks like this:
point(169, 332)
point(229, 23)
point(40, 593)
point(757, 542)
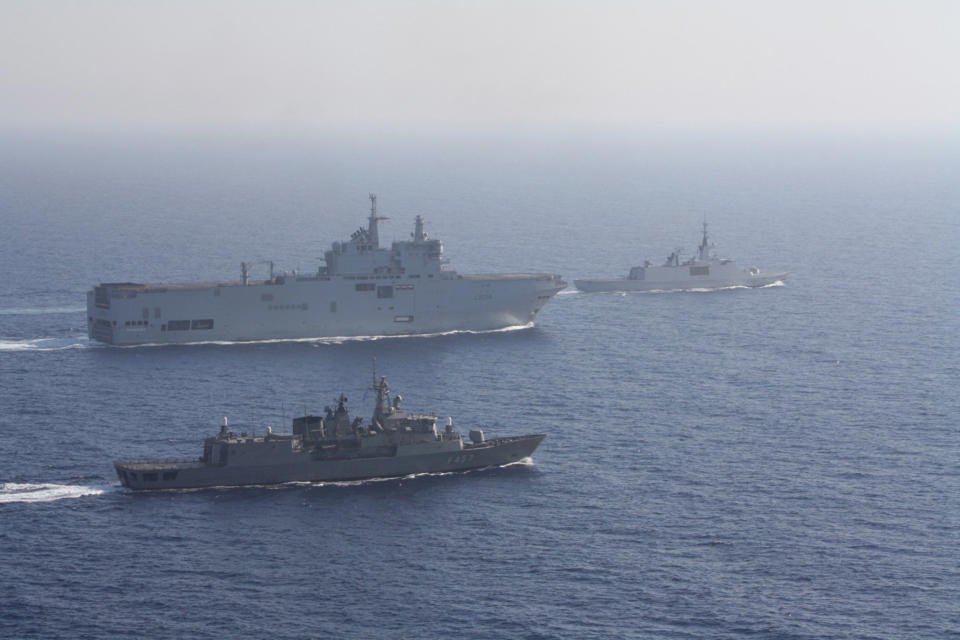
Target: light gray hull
point(704, 271)
point(677, 284)
point(312, 307)
point(300, 467)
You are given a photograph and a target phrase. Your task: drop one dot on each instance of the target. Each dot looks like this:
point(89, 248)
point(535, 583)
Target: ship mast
point(704, 253)
point(373, 231)
point(383, 395)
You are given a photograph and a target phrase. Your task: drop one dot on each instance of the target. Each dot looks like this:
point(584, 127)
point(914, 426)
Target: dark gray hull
point(153, 475)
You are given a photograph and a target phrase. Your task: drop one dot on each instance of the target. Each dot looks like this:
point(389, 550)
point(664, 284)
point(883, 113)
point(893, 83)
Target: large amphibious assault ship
point(332, 447)
point(363, 289)
point(705, 271)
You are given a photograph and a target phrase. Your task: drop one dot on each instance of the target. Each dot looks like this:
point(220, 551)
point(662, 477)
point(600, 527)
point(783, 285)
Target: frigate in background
point(363, 289)
point(705, 271)
point(393, 443)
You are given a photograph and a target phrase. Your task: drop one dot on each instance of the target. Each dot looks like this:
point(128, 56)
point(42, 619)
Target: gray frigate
point(394, 442)
point(703, 271)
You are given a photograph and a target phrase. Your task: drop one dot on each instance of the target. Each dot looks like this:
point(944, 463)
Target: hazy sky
point(457, 63)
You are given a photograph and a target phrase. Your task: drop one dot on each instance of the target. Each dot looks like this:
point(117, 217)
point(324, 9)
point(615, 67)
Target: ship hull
point(314, 307)
point(302, 467)
point(677, 284)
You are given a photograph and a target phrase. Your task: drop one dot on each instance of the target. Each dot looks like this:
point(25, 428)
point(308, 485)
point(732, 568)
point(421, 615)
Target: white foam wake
point(38, 311)
point(778, 283)
point(46, 344)
point(14, 492)
point(523, 462)
point(456, 332)
point(330, 339)
point(82, 342)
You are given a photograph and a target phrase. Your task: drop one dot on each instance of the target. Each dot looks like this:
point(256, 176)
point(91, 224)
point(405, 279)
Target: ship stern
point(100, 326)
point(161, 474)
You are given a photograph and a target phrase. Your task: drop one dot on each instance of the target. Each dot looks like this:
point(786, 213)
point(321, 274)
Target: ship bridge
point(362, 255)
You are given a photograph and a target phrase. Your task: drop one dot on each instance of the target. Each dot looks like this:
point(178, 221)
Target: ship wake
point(39, 311)
point(22, 492)
point(456, 332)
point(47, 344)
point(523, 462)
point(82, 342)
point(333, 339)
point(778, 283)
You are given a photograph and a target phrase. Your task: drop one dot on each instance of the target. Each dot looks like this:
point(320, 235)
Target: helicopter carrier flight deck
point(363, 289)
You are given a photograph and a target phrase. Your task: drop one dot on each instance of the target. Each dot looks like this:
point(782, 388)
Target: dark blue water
point(774, 463)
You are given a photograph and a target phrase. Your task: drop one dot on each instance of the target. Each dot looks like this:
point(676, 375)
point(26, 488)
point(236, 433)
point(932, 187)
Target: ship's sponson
point(362, 290)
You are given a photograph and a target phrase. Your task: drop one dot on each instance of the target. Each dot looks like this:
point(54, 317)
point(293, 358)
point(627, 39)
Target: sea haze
point(771, 463)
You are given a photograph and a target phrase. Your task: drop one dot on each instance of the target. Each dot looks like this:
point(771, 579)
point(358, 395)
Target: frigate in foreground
point(705, 271)
point(363, 289)
point(393, 443)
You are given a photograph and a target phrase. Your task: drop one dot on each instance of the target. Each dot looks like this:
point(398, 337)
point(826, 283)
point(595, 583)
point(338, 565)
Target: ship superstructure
point(394, 442)
point(703, 271)
point(363, 289)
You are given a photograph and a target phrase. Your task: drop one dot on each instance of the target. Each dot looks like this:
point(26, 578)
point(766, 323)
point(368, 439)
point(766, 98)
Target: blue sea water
point(772, 463)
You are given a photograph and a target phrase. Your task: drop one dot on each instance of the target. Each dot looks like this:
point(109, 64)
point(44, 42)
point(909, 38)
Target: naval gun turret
point(396, 442)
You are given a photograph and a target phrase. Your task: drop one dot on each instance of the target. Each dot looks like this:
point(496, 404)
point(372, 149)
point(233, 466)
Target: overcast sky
point(457, 63)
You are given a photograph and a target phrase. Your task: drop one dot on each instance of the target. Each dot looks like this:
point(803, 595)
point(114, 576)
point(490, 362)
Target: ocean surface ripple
point(772, 463)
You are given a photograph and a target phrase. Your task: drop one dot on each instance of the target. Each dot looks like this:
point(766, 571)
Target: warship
point(362, 289)
point(331, 447)
point(704, 271)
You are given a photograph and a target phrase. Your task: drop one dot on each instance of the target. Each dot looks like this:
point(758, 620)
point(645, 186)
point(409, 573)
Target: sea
point(781, 462)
